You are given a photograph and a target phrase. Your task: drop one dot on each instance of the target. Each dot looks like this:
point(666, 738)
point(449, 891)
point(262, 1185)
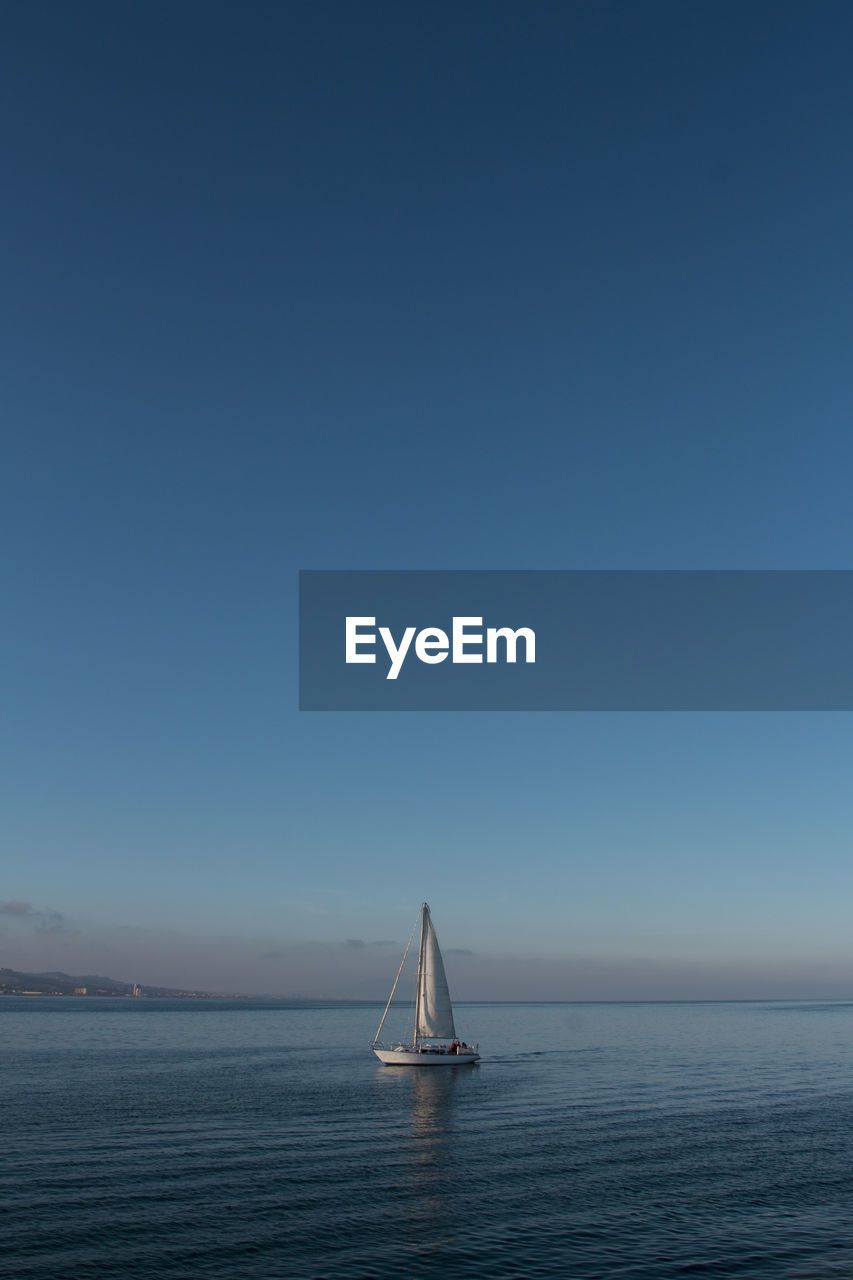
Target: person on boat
point(454, 1048)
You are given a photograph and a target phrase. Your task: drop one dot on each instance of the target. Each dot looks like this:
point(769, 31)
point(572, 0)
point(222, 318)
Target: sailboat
point(434, 1041)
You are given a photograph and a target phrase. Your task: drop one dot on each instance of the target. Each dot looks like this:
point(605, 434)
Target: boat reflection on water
point(435, 1100)
point(433, 1094)
point(430, 1096)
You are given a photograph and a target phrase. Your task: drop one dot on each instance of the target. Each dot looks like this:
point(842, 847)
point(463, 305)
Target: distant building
point(137, 990)
point(81, 991)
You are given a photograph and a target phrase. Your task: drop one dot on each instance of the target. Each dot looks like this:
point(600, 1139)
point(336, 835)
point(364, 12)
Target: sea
point(254, 1140)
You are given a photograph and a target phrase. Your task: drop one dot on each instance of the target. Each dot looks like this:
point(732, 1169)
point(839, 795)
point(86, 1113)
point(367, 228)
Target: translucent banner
point(576, 640)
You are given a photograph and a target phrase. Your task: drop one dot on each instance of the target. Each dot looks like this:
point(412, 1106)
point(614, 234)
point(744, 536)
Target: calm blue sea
point(257, 1141)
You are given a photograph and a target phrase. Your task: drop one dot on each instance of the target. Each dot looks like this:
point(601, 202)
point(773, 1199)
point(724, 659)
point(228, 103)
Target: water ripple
point(638, 1142)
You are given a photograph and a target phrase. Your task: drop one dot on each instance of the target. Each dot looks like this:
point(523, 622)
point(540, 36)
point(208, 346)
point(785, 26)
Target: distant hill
point(56, 983)
point(61, 984)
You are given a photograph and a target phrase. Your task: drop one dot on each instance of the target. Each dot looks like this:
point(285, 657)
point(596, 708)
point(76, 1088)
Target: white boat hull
point(404, 1057)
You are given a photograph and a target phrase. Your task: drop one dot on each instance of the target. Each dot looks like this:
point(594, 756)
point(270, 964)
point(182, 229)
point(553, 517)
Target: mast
point(424, 912)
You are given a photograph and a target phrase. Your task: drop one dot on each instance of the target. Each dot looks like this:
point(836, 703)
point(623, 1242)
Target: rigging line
point(396, 980)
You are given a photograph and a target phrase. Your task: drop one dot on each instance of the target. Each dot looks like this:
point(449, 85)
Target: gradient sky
point(325, 285)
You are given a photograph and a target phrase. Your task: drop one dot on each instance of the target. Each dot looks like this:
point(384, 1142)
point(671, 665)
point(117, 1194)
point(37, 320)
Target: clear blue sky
point(325, 285)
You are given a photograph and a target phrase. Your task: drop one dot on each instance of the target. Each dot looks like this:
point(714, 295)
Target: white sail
point(434, 1010)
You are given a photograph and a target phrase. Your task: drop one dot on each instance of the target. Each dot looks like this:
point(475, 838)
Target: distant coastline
point(15, 983)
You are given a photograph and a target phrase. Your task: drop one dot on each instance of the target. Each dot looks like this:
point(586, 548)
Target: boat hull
point(406, 1058)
